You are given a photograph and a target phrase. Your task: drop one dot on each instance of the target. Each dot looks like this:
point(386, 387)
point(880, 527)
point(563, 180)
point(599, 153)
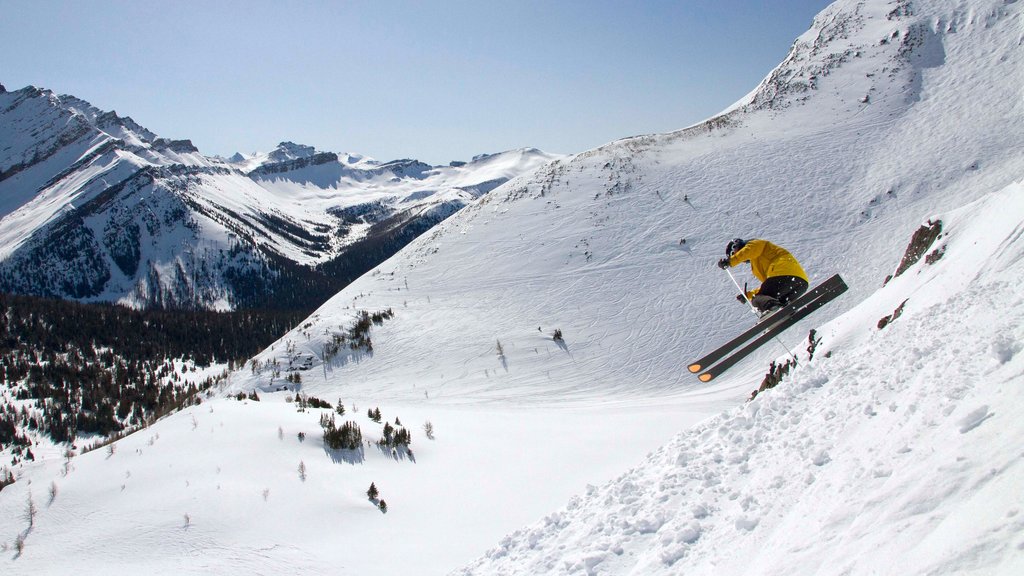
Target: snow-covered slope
point(885, 114)
point(95, 207)
point(895, 451)
point(594, 245)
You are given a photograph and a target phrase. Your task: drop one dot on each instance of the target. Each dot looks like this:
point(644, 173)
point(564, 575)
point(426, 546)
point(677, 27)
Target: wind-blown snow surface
point(901, 453)
point(885, 114)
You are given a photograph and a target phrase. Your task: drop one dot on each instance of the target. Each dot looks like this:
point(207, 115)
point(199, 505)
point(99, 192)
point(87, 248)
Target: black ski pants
point(778, 290)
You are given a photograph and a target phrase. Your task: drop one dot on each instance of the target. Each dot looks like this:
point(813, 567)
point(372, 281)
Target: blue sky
point(437, 81)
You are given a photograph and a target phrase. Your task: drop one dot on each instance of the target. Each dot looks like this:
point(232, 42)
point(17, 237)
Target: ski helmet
point(734, 246)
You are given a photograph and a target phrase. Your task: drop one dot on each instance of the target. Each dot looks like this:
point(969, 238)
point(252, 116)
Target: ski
point(832, 284)
point(771, 332)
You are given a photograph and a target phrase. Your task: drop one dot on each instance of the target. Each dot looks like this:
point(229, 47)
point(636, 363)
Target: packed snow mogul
point(782, 278)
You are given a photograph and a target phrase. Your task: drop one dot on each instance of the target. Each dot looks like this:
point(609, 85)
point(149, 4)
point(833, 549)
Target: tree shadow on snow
point(351, 356)
point(19, 543)
point(400, 452)
point(356, 456)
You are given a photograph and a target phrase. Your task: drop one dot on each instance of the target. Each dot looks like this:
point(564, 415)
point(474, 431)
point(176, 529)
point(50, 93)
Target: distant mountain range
point(95, 207)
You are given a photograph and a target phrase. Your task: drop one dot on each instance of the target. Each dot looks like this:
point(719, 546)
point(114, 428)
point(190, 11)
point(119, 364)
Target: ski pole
point(742, 292)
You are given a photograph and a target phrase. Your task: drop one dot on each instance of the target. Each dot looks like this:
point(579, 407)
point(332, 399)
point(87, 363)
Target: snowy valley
point(895, 449)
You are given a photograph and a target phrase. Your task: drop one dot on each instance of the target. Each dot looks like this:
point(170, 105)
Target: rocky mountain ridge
point(95, 207)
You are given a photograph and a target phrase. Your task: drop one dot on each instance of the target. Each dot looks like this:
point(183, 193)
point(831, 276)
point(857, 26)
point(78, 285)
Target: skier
point(782, 278)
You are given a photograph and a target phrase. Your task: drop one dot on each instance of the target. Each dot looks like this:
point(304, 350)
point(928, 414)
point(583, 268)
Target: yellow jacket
point(767, 260)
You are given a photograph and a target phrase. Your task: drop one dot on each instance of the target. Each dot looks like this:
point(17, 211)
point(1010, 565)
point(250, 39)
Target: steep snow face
point(95, 207)
point(896, 448)
point(40, 139)
point(89, 209)
point(616, 247)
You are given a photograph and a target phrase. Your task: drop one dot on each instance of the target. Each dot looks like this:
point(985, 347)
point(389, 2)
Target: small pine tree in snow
point(402, 437)
point(31, 511)
point(351, 436)
point(6, 478)
point(383, 506)
point(348, 437)
point(372, 492)
point(302, 471)
point(428, 429)
point(314, 402)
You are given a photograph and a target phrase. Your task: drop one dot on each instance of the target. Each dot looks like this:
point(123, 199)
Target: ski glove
point(741, 298)
point(723, 263)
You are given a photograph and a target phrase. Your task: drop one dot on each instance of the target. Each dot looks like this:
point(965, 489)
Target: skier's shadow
point(686, 245)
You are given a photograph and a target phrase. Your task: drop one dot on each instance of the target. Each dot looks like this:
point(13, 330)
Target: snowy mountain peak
point(290, 151)
point(123, 128)
point(521, 152)
point(884, 45)
point(110, 122)
point(353, 159)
